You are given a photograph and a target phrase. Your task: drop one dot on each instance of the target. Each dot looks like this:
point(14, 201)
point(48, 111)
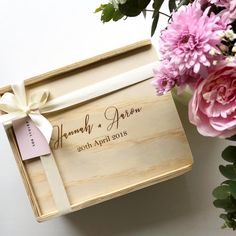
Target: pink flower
point(213, 106)
point(202, 2)
point(189, 78)
point(221, 3)
point(229, 5)
point(231, 9)
point(189, 40)
point(165, 78)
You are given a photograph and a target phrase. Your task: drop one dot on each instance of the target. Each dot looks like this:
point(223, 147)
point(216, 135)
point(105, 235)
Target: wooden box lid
point(147, 147)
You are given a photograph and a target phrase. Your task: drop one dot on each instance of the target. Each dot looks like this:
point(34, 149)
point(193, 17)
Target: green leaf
point(156, 6)
point(107, 13)
point(183, 2)
point(172, 5)
point(221, 192)
point(101, 8)
point(142, 4)
point(233, 138)
point(232, 188)
point(133, 7)
point(154, 24)
point(144, 14)
point(224, 216)
point(117, 15)
point(228, 221)
point(226, 204)
point(227, 182)
point(222, 203)
point(229, 154)
point(129, 10)
point(228, 171)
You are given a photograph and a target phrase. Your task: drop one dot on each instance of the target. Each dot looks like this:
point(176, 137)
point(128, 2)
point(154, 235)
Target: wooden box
point(146, 147)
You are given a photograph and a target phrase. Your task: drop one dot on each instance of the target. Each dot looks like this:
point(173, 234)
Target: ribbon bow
point(18, 105)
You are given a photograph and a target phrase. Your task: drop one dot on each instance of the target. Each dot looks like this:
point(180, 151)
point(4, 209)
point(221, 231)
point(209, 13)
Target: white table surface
point(38, 36)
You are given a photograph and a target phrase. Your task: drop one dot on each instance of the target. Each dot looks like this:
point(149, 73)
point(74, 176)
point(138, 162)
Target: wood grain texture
point(146, 145)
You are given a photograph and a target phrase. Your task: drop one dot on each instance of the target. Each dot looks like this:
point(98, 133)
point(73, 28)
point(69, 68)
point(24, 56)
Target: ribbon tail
point(43, 125)
point(50, 167)
point(11, 116)
point(20, 93)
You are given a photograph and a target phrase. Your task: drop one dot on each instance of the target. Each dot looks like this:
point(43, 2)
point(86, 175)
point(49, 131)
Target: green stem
point(162, 13)
point(183, 2)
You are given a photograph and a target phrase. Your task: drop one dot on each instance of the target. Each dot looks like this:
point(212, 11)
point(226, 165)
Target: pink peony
point(191, 37)
point(213, 106)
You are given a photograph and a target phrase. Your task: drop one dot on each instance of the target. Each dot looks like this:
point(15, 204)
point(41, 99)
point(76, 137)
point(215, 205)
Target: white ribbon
point(18, 105)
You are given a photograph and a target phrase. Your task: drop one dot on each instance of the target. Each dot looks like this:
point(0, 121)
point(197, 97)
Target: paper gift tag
point(30, 140)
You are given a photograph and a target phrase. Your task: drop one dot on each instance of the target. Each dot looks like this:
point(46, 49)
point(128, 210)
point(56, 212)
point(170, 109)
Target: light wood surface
point(147, 147)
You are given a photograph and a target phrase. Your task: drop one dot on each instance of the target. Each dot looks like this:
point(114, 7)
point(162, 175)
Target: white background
point(38, 36)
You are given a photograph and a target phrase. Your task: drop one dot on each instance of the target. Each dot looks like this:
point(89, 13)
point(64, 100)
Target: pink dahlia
point(213, 106)
point(189, 78)
point(165, 78)
point(190, 39)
